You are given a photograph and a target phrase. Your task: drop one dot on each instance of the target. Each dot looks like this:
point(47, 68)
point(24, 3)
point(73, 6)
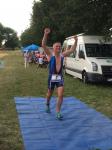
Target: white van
point(92, 60)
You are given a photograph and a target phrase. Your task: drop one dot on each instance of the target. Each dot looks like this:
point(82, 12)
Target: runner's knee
point(60, 96)
point(49, 93)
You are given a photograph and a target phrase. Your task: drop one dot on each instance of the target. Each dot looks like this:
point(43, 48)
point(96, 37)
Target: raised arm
point(44, 41)
point(72, 49)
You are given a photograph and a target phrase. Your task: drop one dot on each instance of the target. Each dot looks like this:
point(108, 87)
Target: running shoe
point(59, 116)
point(48, 109)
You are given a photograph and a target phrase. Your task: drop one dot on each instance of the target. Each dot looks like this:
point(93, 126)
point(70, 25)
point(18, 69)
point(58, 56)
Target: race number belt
point(56, 78)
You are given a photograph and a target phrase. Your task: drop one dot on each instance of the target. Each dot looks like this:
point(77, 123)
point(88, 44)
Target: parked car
point(92, 60)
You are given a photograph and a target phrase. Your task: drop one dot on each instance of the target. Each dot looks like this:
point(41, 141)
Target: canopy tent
point(31, 47)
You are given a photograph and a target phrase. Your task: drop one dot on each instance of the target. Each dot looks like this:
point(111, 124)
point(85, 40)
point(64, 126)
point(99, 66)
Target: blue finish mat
point(81, 129)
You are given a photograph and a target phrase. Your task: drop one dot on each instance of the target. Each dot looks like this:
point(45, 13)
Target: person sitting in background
point(30, 57)
point(45, 60)
point(37, 55)
point(40, 63)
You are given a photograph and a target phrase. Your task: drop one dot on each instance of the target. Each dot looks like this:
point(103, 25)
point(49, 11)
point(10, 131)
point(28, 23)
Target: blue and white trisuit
point(55, 78)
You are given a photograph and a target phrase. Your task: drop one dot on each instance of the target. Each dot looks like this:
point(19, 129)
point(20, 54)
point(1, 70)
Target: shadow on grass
point(100, 84)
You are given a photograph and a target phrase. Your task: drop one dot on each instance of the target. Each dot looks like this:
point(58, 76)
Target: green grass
point(15, 80)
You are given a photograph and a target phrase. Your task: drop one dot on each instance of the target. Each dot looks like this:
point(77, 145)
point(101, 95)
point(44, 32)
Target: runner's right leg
point(48, 97)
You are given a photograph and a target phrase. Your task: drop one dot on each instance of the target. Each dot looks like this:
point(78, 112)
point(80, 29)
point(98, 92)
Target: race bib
point(56, 78)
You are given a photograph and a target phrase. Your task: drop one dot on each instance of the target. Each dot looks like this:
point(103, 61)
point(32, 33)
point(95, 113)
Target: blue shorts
point(52, 85)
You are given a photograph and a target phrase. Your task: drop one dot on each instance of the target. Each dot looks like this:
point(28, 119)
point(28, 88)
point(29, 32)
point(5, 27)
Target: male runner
point(55, 77)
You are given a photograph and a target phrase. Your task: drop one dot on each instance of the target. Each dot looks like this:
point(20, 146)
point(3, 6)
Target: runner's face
point(57, 47)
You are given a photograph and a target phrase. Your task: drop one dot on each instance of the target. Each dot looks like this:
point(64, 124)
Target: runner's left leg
point(60, 91)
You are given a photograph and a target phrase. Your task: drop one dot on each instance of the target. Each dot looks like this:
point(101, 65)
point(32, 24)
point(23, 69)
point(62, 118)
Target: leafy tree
point(12, 41)
point(27, 37)
point(10, 38)
point(69, 17)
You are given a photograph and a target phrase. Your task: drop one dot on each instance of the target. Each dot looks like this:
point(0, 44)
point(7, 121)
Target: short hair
point(56, 43)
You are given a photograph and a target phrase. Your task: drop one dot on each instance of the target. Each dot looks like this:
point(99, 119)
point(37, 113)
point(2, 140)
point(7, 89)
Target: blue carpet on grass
point(82, 128)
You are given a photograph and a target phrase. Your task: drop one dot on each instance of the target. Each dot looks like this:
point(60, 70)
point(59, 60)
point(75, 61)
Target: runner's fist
point(47, 31)
point(75, 37)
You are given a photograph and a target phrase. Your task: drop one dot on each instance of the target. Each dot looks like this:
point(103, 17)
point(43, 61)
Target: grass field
point(15, 80)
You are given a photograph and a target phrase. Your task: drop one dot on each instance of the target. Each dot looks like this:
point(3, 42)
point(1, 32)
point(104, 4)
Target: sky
point(16, 14)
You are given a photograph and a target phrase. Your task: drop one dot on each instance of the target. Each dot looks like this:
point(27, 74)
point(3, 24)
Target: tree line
point(8, 38)
point(68, 17)
point(65, 18)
